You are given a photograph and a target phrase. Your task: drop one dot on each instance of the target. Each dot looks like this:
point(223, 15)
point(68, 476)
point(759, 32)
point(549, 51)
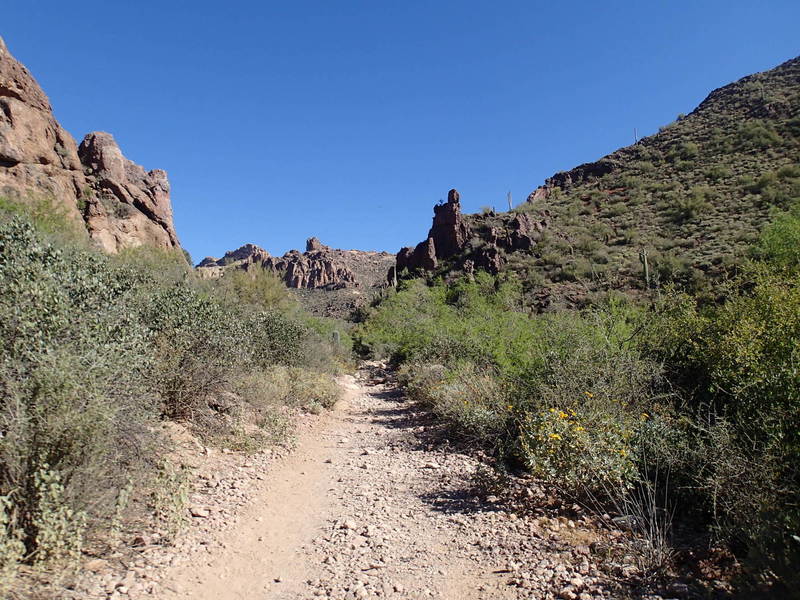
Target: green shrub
point(737, 364)
point(591, 458)
point(779, 243)
point(691, 206)
point(258, 288)
point(717, 173)
point(474, 403)
point(93, 349)
point(757, 134)
point(74, 405)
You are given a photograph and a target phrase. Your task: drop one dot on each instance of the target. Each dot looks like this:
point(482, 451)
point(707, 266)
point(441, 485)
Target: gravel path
point(365, 508)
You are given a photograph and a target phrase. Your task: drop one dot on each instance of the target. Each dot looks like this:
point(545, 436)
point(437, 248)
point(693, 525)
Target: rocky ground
point(367, 506)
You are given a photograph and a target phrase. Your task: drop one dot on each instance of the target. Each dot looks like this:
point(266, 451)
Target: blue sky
point(348, 120)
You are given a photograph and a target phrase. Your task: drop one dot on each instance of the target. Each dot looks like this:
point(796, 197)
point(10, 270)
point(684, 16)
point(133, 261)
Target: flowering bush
point(580, 454)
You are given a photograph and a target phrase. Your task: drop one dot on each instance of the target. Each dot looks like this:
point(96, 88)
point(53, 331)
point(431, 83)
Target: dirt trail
point(365, 509)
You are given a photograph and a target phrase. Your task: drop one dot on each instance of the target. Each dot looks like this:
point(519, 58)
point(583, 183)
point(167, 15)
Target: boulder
point(314, 245)
point(421, 257)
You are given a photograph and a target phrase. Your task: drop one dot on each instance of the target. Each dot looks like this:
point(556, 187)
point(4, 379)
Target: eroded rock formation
point(119, 203)
point(133, 205)
point(449, 231)
point(38, 158)
point(319, 267)
point(451, 239)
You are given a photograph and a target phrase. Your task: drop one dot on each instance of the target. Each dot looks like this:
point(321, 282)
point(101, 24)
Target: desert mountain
point(119, 203)
point(687, 202)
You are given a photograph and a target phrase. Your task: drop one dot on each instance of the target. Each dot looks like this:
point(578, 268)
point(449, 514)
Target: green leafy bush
point(780, 241)
point(94, 349)
point(590, 457)
point(737, 366)
point(74, 405)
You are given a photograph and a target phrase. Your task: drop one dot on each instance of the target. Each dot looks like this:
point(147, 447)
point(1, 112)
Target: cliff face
point(119, 203)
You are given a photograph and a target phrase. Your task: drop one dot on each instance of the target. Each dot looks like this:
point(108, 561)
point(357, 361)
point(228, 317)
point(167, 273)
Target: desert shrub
point(74, 407)
point(737, 366)
point(793, 126)
point(671, 267)
point(472, 401)
point(586, 457)
point(789, 172)
point(275, 339)
point(501, 369)
point(779, 243)
point(197, 347)
point(684, 151)
point(170, 496)
point(258, 288)
point(282, 386)
point(154, 266)
point(692, 205)
point(93, 349)
point(49, 218)
point(717, 173)
point(756, 134)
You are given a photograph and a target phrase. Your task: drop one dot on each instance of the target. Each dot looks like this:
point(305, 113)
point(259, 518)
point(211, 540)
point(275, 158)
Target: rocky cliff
point(119, 204)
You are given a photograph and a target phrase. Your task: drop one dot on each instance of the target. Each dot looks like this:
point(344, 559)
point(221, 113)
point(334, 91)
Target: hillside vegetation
point(691, 198)
point(96, 350)
point(642, 358)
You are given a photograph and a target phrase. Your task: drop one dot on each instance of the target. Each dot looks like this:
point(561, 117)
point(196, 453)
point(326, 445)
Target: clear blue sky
point(349, 119)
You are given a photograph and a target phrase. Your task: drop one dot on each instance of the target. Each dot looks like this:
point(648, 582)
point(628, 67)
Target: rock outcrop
point(318, 268)
point(449, 230)
point(317, 271)
point(38, 158)
point(423, 256)
point(449, 239)
point(119, 204)
point(446, 238)
point(133, 206)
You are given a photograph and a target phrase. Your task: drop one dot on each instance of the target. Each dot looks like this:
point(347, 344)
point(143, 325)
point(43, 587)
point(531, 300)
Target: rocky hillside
point(688, 201)
point(117, 202)
point(329, 281)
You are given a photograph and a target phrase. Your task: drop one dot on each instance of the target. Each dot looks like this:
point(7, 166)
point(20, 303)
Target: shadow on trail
point(424, 432)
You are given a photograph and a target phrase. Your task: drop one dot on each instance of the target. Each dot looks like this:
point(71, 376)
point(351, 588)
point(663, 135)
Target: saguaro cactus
point(645, 266)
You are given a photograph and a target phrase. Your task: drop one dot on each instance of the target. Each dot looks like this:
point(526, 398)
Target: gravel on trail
point(365, 506)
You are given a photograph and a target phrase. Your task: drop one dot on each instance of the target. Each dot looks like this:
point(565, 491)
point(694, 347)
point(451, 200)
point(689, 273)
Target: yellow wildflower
point(563, 415)
point(589, 394)
point(555, 436)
